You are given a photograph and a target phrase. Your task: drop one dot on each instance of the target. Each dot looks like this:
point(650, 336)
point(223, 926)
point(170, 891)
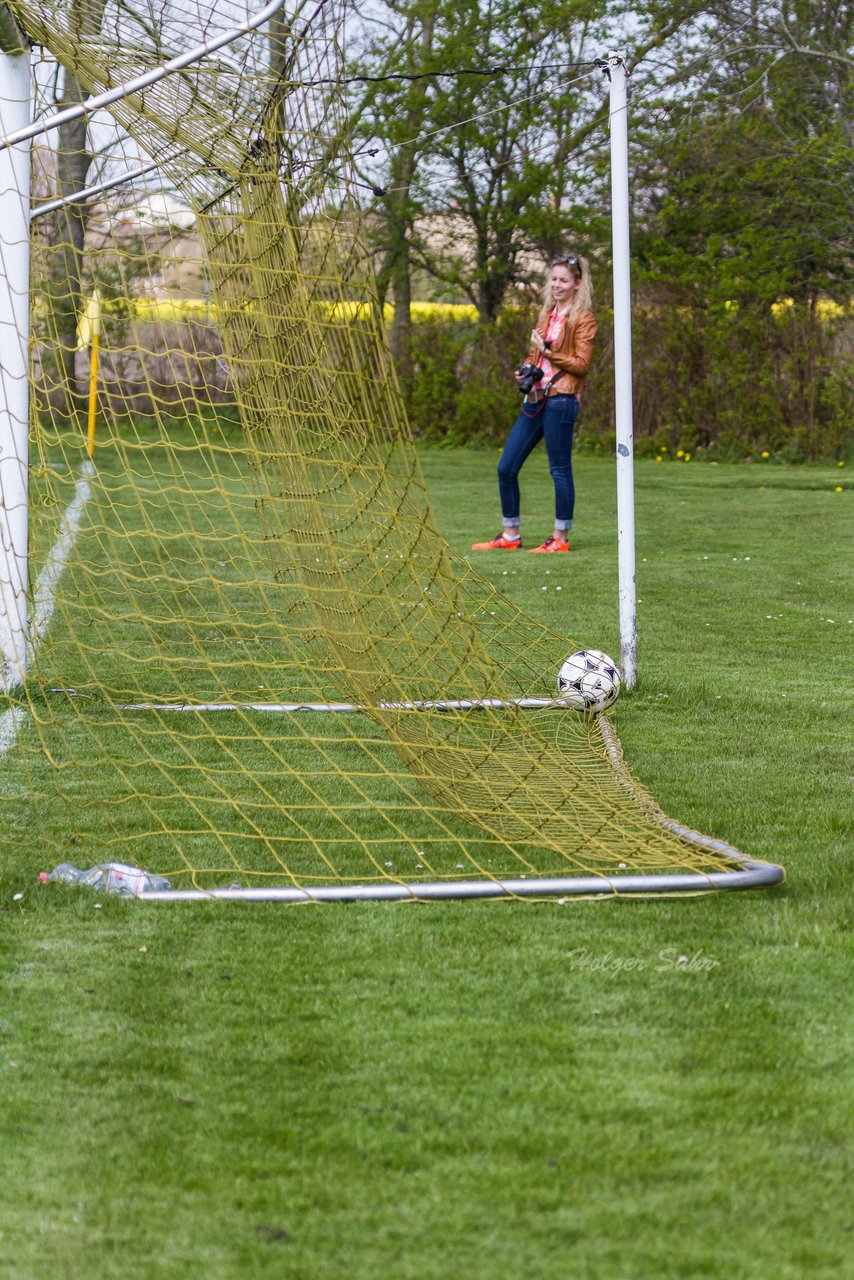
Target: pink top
point(553, 328)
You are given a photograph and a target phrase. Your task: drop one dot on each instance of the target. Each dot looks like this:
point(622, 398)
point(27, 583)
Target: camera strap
point(552, 380)
point(555, 317)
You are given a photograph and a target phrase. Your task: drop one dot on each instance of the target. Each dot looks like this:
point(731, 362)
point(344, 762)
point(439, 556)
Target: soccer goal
point(236, 649)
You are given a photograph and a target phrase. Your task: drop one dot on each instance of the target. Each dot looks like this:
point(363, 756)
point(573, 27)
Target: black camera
point(529, 376)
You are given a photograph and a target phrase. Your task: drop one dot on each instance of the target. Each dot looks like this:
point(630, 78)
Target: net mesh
point(255, 531)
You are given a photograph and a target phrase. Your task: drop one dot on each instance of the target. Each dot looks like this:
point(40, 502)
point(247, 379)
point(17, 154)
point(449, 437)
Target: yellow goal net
point(251, 663)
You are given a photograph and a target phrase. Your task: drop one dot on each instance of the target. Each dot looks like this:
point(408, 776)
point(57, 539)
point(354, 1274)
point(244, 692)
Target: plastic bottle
point(114, 877)
point(68, 874)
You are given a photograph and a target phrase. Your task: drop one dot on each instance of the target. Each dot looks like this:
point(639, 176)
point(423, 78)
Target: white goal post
point(15, 111)
point(618, 118)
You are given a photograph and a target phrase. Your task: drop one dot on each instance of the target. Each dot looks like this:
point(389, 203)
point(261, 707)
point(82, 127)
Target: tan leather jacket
point(571, 353)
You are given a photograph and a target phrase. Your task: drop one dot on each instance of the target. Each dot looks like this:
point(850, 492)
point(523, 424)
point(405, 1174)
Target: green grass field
point(602, 1090)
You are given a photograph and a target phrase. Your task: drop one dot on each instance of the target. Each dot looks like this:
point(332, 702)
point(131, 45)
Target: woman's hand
point(537, 340)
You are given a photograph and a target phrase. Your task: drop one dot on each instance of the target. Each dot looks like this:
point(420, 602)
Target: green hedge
point(731, 383)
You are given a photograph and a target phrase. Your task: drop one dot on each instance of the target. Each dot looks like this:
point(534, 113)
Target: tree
point(72, 166)
point(746, 225)
point(398, 43)
point(501, 156)
point(759, 161)
point(484, 157)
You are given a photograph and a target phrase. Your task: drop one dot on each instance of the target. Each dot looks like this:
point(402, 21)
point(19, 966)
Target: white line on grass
point(10, 724)
point(44, 595)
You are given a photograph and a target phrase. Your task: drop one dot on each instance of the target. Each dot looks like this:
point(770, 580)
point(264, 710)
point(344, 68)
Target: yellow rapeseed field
point(177, 309)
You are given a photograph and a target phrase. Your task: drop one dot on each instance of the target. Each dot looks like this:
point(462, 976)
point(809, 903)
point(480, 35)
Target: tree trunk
point(72, 167)
point(281, 48)
point(401, 325)
point(401, 220)
point(400, 272)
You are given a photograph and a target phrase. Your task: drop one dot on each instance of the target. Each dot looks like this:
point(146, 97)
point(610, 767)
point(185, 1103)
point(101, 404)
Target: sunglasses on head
point(566, 259)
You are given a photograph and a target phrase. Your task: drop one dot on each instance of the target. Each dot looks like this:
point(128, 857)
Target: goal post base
point(754, 875)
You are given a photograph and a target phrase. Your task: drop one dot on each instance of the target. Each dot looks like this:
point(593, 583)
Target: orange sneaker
point(551, 544)
point(498, 544)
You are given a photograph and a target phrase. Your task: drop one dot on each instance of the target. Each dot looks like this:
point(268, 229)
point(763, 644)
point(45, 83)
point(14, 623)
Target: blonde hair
point(582, 299)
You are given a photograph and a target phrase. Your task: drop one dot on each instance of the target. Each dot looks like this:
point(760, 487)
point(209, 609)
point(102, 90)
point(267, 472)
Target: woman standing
point(562, 348)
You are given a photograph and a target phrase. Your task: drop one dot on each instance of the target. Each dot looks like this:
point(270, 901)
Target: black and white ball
point(589, 681)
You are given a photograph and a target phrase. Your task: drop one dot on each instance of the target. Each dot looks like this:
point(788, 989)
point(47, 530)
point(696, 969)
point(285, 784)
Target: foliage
point(742, 167)
point(739, 209)
point(734, 380)
point(463, 390)
point(794, 403)
point(487, 179)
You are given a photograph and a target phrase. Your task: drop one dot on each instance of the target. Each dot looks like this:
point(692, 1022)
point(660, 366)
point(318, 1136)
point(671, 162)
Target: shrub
point(722, 382)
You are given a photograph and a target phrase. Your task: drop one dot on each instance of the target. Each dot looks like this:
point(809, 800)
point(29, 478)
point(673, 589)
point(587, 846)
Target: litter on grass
point(111, 877)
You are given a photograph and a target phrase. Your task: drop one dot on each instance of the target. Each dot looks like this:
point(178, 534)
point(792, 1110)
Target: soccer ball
point(589, 681)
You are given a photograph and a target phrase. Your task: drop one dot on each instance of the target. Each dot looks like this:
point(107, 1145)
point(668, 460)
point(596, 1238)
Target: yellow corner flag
point(89, 335)
point(89, 325)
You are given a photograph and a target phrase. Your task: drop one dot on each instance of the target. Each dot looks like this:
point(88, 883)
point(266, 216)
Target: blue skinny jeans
point(554, 420)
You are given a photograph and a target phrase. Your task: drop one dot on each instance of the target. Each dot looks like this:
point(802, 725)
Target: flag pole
point(93, 333)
